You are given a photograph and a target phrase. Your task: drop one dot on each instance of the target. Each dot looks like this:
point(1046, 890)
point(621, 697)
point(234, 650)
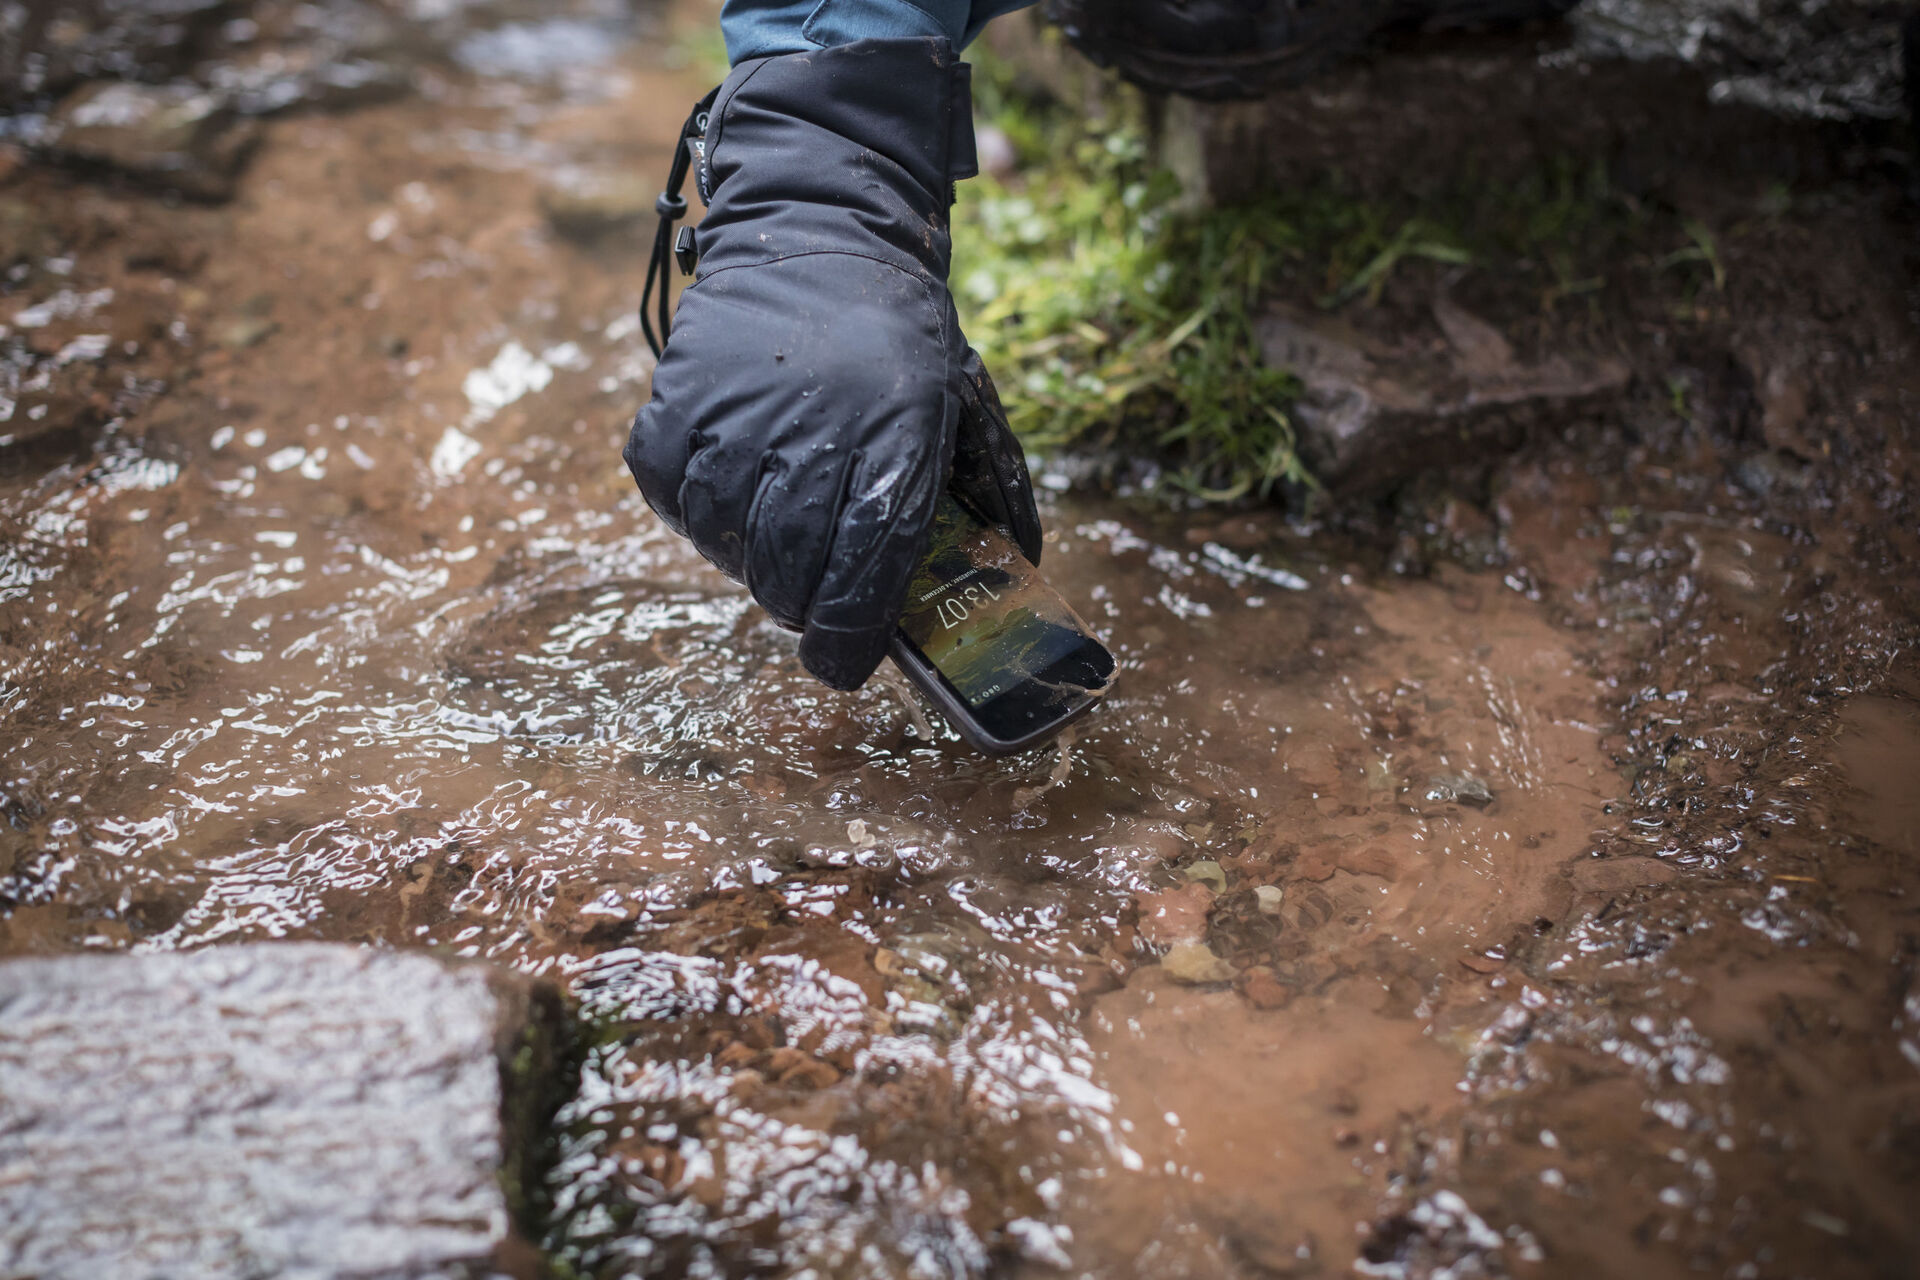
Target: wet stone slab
point(271, 1110)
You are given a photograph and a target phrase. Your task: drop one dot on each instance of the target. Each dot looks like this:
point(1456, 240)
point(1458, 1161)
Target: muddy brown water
point(1546, 911)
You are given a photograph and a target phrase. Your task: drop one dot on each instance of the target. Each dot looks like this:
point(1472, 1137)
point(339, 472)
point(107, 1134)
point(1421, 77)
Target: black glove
point(817, 394)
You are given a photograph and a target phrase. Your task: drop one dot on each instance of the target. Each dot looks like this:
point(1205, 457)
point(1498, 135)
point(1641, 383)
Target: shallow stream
point(1544, 912)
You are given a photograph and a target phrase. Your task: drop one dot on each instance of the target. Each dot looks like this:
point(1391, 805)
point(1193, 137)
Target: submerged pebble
point(1459, 788)
point(1207, 872)
point(1194, 964)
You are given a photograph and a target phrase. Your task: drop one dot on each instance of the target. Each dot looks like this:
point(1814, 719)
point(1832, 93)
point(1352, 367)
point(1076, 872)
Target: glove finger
point(878, 542)
point(990, 468)
point(789, 531)
point(656, 454)
point(717, 490)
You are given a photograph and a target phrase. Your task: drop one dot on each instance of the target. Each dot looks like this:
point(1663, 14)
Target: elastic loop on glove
point(671, 206)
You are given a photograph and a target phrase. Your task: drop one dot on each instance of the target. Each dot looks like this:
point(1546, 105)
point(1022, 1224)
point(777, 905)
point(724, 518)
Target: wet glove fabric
point(816, 394)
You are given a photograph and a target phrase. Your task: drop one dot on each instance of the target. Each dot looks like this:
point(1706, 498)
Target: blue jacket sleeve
point(765, 28)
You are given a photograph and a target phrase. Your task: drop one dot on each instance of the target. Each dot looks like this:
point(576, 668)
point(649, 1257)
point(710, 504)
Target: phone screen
point(984, 619)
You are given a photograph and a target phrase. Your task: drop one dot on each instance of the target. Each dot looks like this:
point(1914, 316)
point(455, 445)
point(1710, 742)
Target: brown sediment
point(1878, 751)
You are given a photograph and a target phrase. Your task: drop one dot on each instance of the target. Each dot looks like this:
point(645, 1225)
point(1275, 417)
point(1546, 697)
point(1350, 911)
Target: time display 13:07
point(959, 606)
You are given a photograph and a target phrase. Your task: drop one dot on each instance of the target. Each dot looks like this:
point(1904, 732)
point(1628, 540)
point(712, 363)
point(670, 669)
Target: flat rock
point(585, 205)
point(47, 48)
point(1834, 60)
point(1371, 414)
point(319, 77)
point(174, 135)
point(272, 1110)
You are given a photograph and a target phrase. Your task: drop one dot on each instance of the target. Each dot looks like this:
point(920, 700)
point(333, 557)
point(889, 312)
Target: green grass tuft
point(1119, 321)
point(1113, 320)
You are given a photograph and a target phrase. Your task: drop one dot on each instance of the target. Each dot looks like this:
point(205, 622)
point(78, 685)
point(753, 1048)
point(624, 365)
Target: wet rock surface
point(166, 91)
point(1835, 60)
point(1243, 50)
point(1839, 60)
point(1374, 415)
point(266, 1111)
point(1664, 93)
point(176, 136)
point(1506, 876)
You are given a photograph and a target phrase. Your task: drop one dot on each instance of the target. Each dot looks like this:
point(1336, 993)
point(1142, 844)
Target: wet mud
point(1510, 878)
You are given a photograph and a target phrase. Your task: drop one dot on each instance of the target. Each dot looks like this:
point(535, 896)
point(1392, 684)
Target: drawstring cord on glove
point(672, 206)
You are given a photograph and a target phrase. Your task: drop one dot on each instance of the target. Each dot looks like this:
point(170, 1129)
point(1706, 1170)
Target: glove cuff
point(909, 100)
point(858, 145)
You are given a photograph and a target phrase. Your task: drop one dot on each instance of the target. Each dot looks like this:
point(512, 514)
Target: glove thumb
point(989, 467)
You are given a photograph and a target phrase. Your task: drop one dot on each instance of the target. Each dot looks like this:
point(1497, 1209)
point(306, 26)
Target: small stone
point(1480, 350)
point(1209, 873)
point(1316, 864)
point(923, 1017)
point(1193, 964)
point(1174, 915)
point(586, 206)
point(1786, 391)
point(1618, 874)
point(1484, 961)
point(1370, 860)
point(1762, 474)
point(1268, 898)
point(1268, 1245)
point(1459, 788)
point(245, 331)
point(735, 1055)
point(1264, 991)
point(784, 1059)
point(1310, 908)
point(811, 1074)
point(796, 1068)
point(1820, 1220)
point(1097, 979)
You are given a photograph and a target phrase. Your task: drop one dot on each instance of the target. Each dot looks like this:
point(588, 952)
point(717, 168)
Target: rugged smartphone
point(1006, 660)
